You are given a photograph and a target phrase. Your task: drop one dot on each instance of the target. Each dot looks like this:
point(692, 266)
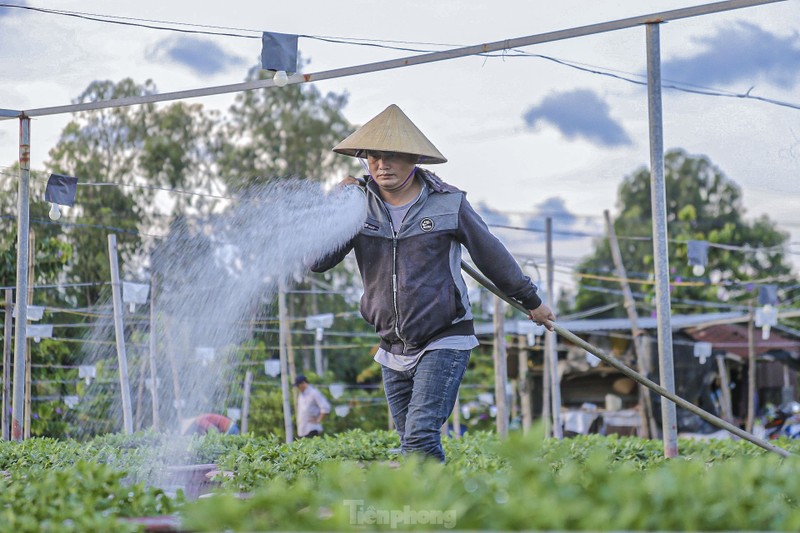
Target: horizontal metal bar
point(507, 44)
point(10, 113)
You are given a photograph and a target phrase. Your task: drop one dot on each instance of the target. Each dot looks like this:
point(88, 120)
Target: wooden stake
point(524, 386)
point(283, 335)
point(500, 371)
point(7, 327)
point(124, 382)
point(248, 382)
point(152, 355)
point(647, 422)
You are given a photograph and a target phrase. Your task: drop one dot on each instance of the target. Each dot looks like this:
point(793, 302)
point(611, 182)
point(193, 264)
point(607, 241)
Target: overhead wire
point(182, 27)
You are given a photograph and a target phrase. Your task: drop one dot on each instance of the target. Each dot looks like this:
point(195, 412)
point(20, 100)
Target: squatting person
point(409, 256)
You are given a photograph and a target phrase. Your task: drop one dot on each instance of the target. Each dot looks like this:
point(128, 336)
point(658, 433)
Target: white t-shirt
point(457, 342)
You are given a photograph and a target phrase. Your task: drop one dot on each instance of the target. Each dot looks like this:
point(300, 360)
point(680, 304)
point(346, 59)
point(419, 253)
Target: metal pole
point(457, 417)
point(500, 371)
point(152, 353)
point(419, 59)
point(283, 334)
point(26, 433)
point(571, 337)
point(658, 201)
point(119, 329)
point(248, 383)
point(524, 386)
point(23, 225)
point(751, 372)
point(645, 406)
point(7, 327)
point(550, 338)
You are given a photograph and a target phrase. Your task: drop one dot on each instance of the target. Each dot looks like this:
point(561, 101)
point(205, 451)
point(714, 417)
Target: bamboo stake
point(283, 334)
point(500, 372)
point(248, 382)
point(645, 405)
point(152, 355)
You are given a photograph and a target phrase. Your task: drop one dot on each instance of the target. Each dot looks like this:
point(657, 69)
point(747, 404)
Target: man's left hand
point(543, 315)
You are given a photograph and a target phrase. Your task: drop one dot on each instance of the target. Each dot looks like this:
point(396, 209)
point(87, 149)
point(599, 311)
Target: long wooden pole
point(248, 382)
point(152, 355)
point(645, 405)
point(524, 386)
point(751, 372)
point(283, 334)
point(571, 337)
point(119, 328)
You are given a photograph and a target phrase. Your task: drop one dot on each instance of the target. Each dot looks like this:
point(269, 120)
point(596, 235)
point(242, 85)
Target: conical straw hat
point(391, 131)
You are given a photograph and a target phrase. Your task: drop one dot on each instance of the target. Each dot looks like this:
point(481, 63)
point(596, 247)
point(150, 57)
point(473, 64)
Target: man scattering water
point(409, 256)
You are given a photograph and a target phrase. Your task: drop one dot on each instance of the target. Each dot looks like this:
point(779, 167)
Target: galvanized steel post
point(658, 200)
point(20, 330)
point(551, 348)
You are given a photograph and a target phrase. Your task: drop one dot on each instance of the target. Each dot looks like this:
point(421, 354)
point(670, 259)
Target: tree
point(283, 132)
point(133, 151)
point(702, 204)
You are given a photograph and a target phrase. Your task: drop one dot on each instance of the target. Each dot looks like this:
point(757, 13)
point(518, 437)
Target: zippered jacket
point(413, 289)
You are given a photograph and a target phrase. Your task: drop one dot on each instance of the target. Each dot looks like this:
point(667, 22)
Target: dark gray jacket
point(413, 289)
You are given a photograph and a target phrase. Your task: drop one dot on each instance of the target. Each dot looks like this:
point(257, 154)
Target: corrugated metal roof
point(732, 338)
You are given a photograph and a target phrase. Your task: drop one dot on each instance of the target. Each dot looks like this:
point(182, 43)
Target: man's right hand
point(350, 180)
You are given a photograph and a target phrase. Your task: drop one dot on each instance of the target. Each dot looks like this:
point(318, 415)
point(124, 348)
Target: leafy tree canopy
point(702, 204)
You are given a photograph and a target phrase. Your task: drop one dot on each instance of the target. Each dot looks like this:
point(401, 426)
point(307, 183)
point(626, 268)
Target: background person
point(312, 407)
point(409, 256)
point(209, 422)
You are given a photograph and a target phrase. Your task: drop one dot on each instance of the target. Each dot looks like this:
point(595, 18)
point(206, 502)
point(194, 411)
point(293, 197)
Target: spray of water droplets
point(214, 276)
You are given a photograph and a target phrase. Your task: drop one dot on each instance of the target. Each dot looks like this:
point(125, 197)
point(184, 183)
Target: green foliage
point(587, 483)
point(280, 133)
point(702, 204)
point(356, 480)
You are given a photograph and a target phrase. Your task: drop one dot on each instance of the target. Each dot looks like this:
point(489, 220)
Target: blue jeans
point(422, 398)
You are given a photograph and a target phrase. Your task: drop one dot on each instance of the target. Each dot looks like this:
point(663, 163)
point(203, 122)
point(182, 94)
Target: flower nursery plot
point(356, 480)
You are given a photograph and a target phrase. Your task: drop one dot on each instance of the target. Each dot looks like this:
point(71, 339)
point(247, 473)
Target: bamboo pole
point(137, 425)
point(726, 405)
point(152, 355)
point(283, 335)
point(524, 386)
point(500, 371)
point(571, 337)
point(645, 405)
point(119, 329)
point(248, 383)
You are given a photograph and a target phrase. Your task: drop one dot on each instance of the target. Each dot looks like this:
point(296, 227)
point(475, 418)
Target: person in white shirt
point(311, 408)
